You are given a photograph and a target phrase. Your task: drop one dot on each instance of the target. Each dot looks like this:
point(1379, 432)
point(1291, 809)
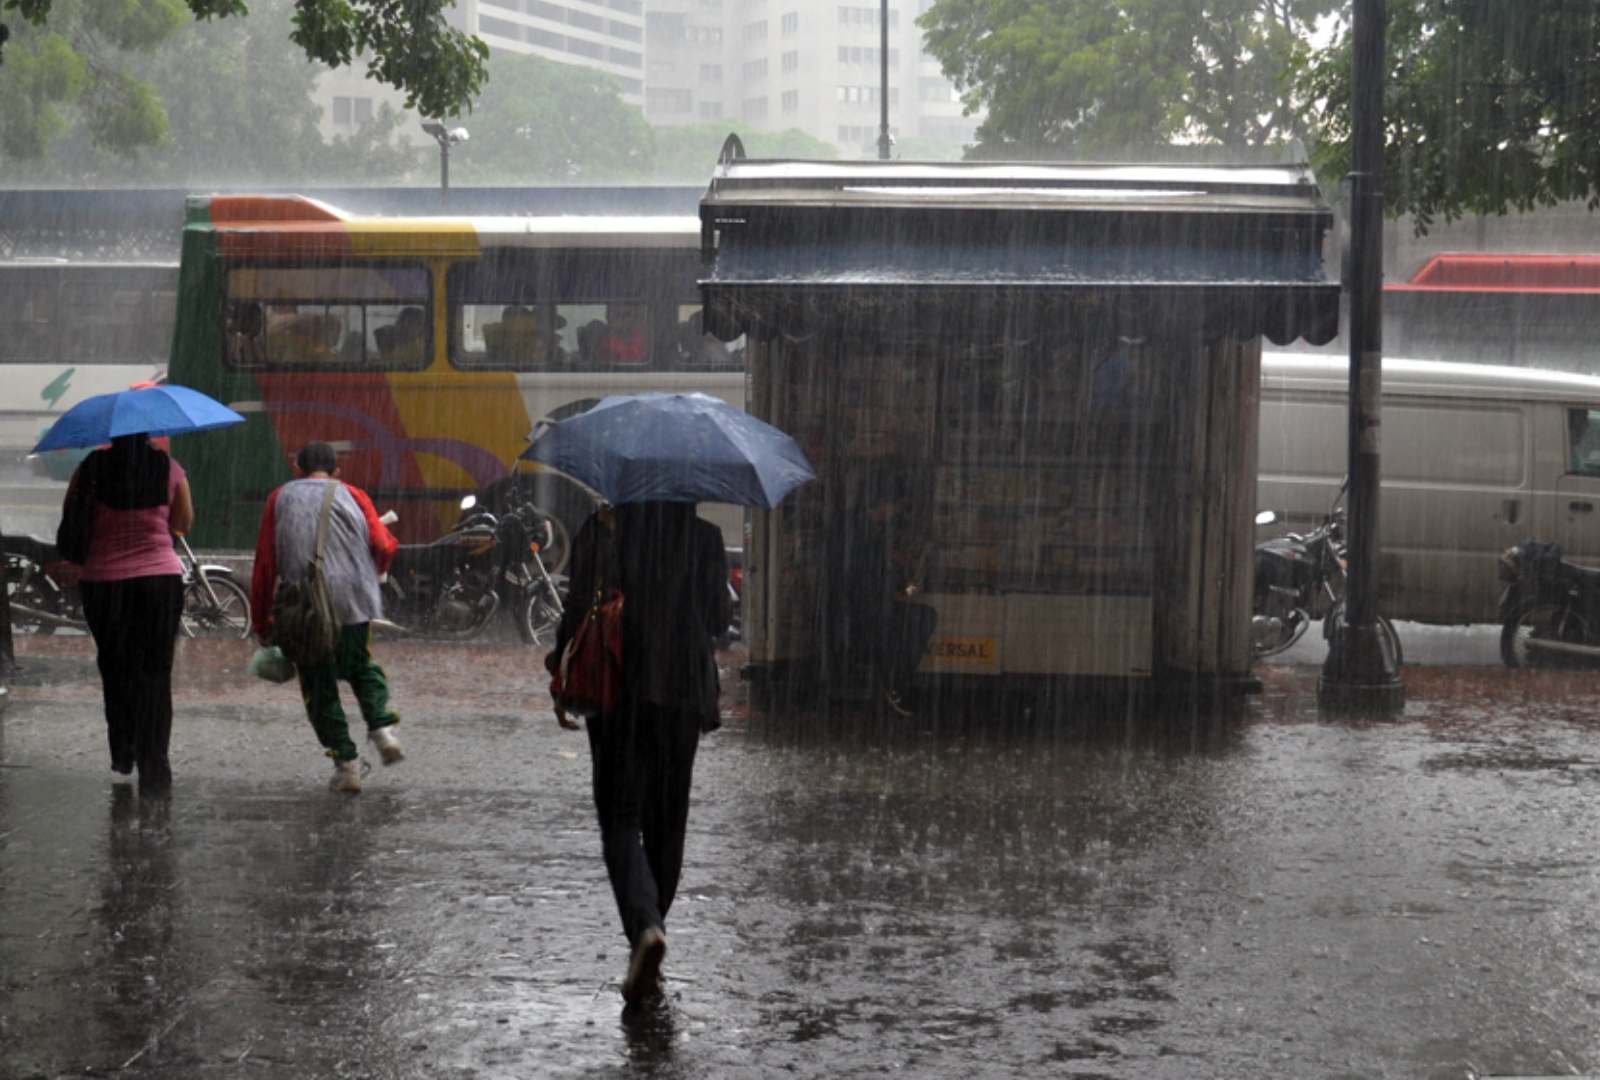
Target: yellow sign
point(964, 652)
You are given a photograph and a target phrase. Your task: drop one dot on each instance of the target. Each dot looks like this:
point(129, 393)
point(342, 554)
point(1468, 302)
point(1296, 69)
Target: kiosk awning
point(1236, 250)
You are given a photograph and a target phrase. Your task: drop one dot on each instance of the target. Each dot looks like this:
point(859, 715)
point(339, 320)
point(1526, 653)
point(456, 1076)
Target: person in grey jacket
point(358, 548)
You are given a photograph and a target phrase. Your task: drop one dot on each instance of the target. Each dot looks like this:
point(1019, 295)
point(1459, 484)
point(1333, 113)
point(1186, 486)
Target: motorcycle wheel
point(1293, 630)
point(1385, 627)
point(559, 550)
point(229, 617)
point(27, 589)
point(538, 616)
point(1554, 622)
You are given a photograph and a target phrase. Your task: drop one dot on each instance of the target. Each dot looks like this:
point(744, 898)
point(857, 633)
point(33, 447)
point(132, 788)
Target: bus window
point(328, 316)
point(697, 350)
point(519, 337)
point(609, 337)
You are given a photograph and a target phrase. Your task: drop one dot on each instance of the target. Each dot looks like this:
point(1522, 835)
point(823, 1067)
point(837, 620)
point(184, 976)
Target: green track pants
point(352, 661)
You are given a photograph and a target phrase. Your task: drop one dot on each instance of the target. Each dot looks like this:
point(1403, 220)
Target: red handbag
point(588, 679)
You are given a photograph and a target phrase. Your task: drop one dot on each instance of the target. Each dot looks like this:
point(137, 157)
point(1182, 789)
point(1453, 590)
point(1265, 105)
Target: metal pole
point(8, 655)
point(1360, 671)
point(884, 140)
point(444, 169)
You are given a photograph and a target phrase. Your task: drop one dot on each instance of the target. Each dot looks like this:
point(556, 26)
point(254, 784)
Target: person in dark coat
point(877, 554)
point(672, 569)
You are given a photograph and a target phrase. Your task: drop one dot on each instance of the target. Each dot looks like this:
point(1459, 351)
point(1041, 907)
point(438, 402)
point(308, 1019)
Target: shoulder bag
point(304, 623)
point(587, 680)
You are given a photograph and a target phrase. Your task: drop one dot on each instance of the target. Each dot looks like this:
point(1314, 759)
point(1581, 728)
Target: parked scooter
point(43, 587)
point(1300, 578)
point(452, 588)
point(1550, 609)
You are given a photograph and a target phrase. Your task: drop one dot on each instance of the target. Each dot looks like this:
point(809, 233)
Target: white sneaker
point(388, 744)
point(347, 776)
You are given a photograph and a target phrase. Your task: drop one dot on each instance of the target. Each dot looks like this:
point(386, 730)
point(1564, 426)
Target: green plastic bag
point(270, 664)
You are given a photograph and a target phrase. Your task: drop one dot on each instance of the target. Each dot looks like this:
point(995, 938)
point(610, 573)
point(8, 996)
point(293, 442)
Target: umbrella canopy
point(150, 410)
point(673, 448)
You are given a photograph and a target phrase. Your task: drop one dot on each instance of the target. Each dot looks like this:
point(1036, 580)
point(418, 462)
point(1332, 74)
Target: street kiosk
point(1057, 365)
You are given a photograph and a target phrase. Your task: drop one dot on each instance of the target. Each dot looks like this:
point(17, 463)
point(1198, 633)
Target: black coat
point(672, 569)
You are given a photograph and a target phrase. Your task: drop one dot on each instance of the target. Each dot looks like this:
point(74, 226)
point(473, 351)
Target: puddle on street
point(1292, 895)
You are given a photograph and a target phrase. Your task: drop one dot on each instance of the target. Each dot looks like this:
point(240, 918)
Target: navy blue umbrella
point(673, 448)
point(152, 410)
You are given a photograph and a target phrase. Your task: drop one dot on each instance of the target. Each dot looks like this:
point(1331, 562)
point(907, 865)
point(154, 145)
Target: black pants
point(135, 628)
point(643, 758)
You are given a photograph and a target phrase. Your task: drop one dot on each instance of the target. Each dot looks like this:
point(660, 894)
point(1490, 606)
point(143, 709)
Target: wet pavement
point(1276, 896)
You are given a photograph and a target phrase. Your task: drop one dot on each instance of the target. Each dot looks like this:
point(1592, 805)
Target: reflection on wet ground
point(1290, 897)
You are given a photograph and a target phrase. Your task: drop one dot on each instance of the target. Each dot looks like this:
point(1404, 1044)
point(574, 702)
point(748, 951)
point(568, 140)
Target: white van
point(1475, 458)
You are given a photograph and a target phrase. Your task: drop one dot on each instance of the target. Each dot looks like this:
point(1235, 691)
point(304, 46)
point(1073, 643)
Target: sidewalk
point(1289, 896)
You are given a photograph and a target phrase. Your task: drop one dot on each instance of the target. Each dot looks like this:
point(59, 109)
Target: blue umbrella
point(153, 410)
point(674, 448)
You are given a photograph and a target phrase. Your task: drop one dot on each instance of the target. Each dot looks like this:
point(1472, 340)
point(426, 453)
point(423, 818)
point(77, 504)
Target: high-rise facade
point(815, 66)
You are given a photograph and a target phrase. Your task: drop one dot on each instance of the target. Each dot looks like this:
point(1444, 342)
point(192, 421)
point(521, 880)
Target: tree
point(1086, 77)
point(690, 152)
point(1488, 105)
point(539, 121)
point(65, 53)
point(238, 109)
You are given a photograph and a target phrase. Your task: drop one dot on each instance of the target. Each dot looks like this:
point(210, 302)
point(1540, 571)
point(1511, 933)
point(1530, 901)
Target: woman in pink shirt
point(132, 586)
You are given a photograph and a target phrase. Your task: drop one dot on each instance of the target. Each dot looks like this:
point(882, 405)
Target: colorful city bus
point(425, 349)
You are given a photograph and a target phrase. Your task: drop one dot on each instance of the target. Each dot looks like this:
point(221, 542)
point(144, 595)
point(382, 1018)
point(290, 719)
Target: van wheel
point(1535, 622)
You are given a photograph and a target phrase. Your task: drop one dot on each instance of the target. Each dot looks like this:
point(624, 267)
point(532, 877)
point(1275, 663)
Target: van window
point(1583, 441)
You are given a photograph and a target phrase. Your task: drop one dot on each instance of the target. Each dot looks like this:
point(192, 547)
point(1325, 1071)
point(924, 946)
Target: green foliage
point(222, 102)
point(689, 153)
point(543, 122)
point(1087, 78)
point(66, 53)
point(1489, 106)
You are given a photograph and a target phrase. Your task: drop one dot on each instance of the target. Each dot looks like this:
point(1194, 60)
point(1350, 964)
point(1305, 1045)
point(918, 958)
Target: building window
point(791, 62)
point(667, 100)
point(791, 22)
point(755, 108)
point(578, 46)
point(710, 110)
point(791, 101)
point(553, 12)
point(624, 31)
point(584, 21)
point(625, 57)
point(499, 27)
point(754, 70)
point(542, 37)
point(866, 16)
point(634, 7)
point(632, 86)
point(711, 73)
point(756, 31)
point(363, 109)
point(341, 111)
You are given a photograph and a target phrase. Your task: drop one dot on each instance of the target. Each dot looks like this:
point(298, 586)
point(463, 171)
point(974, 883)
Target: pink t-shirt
point(134, 543)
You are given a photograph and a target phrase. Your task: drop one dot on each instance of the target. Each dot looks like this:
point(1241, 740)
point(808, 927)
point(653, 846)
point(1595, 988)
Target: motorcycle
point(43, 587)
point(1299, 578)
point(1549, 609)
point(45, 597)
point(453, 587)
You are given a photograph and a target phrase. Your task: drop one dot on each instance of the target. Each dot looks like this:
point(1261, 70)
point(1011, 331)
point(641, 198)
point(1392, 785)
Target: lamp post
point(445, 137)
point(1361, 671)
point(885, 140)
